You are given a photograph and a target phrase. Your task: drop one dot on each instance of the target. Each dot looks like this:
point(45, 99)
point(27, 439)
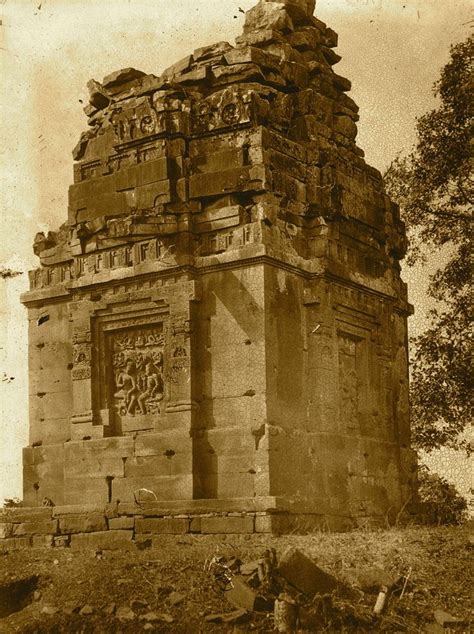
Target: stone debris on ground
point(370, 579)
point(154, 617)
point(125, 613)
point(295, 591)
point(446, 622)
point(138, 604)
point(416, 596)
point(175, 598)
point(72, 608)
point(227, 617)
point(303, 573)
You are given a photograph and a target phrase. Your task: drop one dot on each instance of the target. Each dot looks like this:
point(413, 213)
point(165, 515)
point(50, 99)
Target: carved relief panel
point(352, 378)
point(136, 371)
point(134, 383)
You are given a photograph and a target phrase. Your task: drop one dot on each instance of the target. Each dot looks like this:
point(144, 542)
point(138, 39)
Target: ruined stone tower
point(221, 320)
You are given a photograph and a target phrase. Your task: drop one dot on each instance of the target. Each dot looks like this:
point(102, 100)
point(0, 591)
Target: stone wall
point(222, 315)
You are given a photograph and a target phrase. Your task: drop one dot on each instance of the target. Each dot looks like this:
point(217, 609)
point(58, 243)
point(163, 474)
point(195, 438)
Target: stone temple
point(218, 332)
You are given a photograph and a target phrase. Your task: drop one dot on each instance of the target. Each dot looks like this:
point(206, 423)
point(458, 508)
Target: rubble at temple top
point(283, 49)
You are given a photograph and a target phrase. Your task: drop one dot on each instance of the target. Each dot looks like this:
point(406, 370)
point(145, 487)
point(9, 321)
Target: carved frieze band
point(120, 257)
point(152, 116)
point(132, 255)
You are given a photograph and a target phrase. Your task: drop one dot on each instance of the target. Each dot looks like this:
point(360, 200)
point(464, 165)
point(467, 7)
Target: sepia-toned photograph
point(236, 316)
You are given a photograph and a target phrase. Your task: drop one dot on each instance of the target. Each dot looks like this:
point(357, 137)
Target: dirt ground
point(167, 588)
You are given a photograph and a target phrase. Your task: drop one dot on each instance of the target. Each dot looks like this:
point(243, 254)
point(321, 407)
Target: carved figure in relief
point(153, 387)
point(127, 393)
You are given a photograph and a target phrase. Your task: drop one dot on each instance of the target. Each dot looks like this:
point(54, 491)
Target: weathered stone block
point(106, 540)
point(82, 524)
point(195, 525)
point(252, 55)
point(116, 79)
point(220, 160)
point(158, 444)
point(78, 509)
point(42, 541)
point(44, 479)
point(212, 184)
point(95, 490)
point(164, 487)
point(94, 466)
point(241, 594)
point(121, 523)
point(36, 528)
point(6, 530)
point(179, 67)
point(15, 543)
point(96, 458)
point(305, 39)
point(304, 574)
point(227, 524)
point(268, 16)
point(23, 514)
point(171, 526)
point(168, 464)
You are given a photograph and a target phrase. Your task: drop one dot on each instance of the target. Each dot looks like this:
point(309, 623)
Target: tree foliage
point(434, 188)
point(450, 507)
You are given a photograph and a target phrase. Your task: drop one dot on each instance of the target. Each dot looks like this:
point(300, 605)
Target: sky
point(392, 50)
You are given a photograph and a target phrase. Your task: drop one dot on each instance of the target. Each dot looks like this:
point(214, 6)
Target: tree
point(449, 506)
point(434, 188)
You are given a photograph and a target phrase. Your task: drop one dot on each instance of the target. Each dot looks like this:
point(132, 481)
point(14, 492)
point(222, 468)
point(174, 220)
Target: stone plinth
point(221, 320)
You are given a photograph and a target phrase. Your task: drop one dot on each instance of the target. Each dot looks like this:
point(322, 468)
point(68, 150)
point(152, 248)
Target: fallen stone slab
point(448, 621)
point(154, 617)
point(242, 596)
point(370, 579)
point(149, 617)
point(175, 598)
point(250, 567)
point(125, 614)
point(227, 617)
point(305, 575)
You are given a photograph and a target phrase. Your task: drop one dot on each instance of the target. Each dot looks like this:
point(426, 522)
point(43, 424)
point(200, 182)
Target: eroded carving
point(80, 373)
point(136, 123)
point(349, 380)
point(137, 365)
